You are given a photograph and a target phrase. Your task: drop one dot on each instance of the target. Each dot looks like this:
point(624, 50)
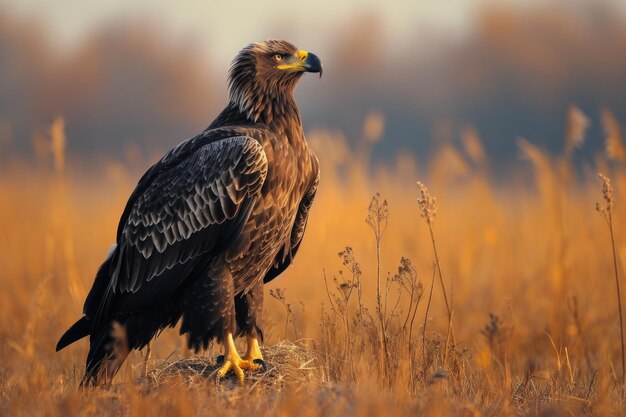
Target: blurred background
point(505, 110)
point(134, 78)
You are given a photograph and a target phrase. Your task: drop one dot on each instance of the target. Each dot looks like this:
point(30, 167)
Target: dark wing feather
point(288, 252)
point(187, 206)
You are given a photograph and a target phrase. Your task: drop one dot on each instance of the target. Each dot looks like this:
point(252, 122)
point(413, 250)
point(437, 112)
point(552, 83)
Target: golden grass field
point(526, 261)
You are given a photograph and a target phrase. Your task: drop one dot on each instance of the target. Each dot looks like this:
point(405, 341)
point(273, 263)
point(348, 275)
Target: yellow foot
point(234, 362)
point(253, 354)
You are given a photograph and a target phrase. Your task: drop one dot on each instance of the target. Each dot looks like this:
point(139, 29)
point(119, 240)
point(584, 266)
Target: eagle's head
point(263, 76)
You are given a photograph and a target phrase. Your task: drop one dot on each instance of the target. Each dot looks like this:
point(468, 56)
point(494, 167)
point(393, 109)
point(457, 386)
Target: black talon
point(219, 359)
point(261, 362)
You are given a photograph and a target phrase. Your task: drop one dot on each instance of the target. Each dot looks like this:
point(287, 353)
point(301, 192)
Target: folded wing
point(190, 206)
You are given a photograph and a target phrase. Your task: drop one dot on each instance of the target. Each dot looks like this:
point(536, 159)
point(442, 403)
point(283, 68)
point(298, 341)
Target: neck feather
point(264, 102)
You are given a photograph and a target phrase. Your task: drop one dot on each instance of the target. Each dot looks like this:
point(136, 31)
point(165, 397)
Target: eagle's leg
point(253, 354)
point(234, 362)
point(248, 309)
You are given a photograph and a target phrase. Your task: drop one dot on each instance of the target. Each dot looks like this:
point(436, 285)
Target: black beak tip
point(313, 64)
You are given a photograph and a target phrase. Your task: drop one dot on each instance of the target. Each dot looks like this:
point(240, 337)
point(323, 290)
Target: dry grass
point(530, 325)
point(287, 364)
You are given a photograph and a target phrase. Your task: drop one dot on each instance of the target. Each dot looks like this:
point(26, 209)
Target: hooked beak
point(312, 63)
point(305, 62)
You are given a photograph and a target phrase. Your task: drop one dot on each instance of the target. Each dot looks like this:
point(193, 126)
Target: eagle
point(218, 216)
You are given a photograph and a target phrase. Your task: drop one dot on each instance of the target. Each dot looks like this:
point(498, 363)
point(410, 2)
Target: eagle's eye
point(278, 57)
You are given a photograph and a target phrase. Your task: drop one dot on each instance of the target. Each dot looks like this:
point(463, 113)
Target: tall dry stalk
point(430, 299)
point(407, 280)
point(428, 211)
point(354, 268)
point(606, 210)
point(339, 302)
point(377, 216)
point(279, 295)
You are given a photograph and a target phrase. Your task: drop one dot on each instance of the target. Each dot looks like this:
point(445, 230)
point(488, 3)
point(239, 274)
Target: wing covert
point(188, 209)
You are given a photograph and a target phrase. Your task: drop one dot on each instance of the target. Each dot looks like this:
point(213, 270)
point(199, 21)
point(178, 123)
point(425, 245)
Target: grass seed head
point(614, 143)
point(427, 203)
point(607, 193)
point(577, 125)
point(377, 215)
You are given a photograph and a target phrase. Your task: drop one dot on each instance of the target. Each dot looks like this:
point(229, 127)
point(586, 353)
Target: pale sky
point(221, 28)
point(225, 26)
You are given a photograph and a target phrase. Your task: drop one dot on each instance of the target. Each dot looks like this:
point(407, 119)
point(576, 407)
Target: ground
point(359, 325)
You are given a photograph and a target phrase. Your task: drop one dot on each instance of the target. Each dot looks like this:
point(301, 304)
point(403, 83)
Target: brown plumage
point(207, 225)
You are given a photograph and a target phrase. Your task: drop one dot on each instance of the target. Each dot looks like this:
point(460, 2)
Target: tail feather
point(78, 330)
point(107, 352)
point(99, 349)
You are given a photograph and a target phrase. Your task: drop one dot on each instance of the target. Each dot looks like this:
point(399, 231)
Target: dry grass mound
point(288, 363)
